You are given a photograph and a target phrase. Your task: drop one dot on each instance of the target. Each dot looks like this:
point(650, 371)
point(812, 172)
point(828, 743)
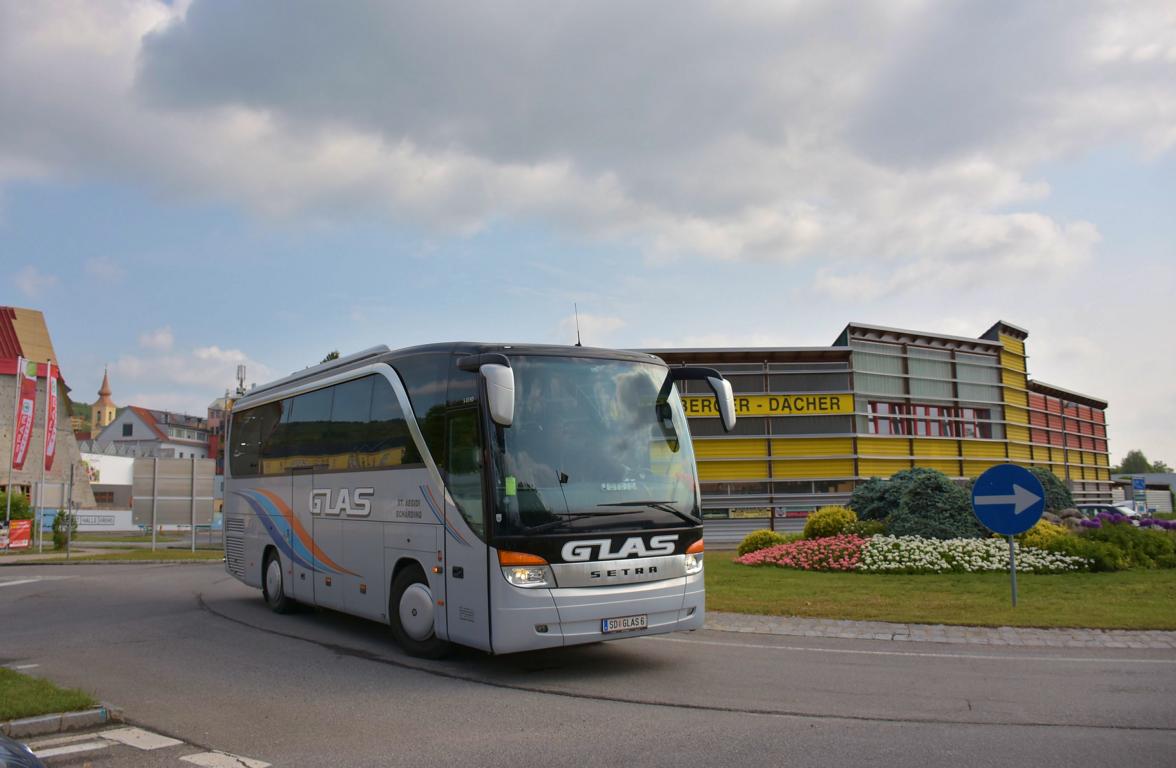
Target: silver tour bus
point(503, 497)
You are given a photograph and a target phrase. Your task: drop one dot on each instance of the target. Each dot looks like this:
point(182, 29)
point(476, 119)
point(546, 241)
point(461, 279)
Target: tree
point(935, 507)
point(1057, 495)
point(332, 355)
point(20, 506)
point(1135, 463)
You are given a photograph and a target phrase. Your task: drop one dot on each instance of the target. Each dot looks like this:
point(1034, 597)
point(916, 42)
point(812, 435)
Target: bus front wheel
point(411, 612)
point(272, 585)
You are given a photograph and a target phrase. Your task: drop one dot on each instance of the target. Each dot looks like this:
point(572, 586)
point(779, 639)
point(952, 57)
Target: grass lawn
point(1124, 600)
point(24, 696)
point(147, 554)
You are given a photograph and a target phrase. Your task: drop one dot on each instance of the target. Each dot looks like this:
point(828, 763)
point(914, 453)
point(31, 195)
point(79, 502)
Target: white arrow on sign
point(1021, 499)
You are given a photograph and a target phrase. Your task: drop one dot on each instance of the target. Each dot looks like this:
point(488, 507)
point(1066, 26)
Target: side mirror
point(500, 392)
point(726, 401)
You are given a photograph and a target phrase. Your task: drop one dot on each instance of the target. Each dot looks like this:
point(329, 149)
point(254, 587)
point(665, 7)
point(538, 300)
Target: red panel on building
point(10, 348)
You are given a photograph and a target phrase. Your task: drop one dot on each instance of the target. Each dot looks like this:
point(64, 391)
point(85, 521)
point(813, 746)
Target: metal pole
point(154, 496)
point(1013, 570)
point(192, 505)
point(69, 514)
point(12, 457)
point(45, 450)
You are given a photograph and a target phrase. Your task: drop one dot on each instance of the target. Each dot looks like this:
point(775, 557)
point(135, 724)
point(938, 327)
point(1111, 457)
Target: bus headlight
point(523, 569)
point(528, 576)
point(694, 558)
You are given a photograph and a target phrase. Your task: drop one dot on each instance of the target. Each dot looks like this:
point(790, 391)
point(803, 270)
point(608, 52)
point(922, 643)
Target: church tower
point(103, 411)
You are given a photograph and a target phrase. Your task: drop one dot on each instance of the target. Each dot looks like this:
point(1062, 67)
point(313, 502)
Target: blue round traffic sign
point(1008, 499)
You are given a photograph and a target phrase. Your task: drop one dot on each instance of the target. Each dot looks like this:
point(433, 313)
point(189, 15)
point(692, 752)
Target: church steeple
point(104, 411)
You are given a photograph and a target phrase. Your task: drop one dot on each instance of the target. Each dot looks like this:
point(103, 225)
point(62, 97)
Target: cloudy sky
point(188, 186)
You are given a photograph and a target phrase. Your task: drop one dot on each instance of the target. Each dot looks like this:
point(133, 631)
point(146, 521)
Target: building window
point(923, 420)
point(128, 429)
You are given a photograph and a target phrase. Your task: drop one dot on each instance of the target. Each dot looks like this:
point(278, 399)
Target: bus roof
point(383, 354)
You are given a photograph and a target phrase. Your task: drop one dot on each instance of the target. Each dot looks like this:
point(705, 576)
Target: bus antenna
point(577, 309)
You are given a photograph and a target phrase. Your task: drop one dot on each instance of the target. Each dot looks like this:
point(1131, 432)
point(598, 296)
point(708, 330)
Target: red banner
point(50, 416)
point(26, 405)
point(21, 535)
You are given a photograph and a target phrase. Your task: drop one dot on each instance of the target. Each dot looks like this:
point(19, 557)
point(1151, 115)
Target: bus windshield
point(592, 449)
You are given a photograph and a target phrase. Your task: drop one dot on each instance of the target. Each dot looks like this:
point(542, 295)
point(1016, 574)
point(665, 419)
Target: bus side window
point(350, 413)
point(386, 442)
point(250, 428)
point(464, 465)
point(243, 458)
point(426, 377)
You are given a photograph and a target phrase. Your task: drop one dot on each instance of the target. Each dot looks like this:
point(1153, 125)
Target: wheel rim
point(416, 612)
point(273, 580)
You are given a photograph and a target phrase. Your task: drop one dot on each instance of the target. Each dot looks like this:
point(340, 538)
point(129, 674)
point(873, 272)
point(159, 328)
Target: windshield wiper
point(664, 506)
point(565, 520)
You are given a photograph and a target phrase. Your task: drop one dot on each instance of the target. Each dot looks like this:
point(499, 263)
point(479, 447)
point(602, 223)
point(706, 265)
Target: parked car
point(13, 754)
point(1093, 510)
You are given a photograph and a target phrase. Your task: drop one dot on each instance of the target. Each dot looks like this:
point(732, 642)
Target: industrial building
point(816, 421)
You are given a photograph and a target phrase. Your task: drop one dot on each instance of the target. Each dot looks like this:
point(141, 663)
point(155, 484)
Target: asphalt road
point(189, 651)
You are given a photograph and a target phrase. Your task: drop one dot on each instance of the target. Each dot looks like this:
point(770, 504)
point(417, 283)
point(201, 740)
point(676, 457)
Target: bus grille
point(235, 554)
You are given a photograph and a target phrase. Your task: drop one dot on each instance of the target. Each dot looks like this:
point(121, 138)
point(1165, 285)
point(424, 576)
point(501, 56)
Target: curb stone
point(940, 633)
point(41, 725)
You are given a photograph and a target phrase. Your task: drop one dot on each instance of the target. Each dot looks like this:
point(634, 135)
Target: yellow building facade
point(815, 422)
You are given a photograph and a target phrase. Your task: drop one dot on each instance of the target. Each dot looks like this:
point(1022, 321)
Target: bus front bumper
point(528, 619)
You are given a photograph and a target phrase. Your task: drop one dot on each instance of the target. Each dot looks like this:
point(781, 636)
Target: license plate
point(624, 624)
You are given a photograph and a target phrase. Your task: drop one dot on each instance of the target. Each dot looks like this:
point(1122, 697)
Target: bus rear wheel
point(273, 586)
point(411, 613)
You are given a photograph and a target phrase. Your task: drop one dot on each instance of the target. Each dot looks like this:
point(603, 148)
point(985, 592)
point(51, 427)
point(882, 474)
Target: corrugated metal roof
point(9, 342)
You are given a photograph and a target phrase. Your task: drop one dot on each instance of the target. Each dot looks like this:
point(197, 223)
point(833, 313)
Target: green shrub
point(875, 499)
point(935, 507)
point(20, 506)
point(59, 529)
point(1041, 534)
point(1102, 555)
point(1143, 548)
point(1057, 495)
point(829, 521)
point(867, 528)
point(757, 540)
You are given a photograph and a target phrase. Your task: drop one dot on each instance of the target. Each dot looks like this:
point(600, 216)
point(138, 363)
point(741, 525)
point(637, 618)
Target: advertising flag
point(26, 403)
point(50, 415)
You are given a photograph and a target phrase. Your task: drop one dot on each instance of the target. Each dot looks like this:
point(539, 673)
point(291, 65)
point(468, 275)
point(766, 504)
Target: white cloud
point(785, 134)
point(32, 282)
point(160, 339)
point(182, 380)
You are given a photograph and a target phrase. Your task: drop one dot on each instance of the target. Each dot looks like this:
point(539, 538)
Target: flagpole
point(12, 458)
point(49, 380)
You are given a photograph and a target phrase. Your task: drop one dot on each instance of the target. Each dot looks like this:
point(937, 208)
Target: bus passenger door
point(467, 598)
point(302, 579)
point(327, 532)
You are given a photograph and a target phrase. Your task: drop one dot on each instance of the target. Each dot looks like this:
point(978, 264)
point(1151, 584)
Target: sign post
point(1139, 493)
point(1007, 499)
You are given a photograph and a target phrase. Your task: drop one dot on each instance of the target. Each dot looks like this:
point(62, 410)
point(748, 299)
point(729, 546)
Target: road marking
point(916, 654)
point(57, 741)
point(20, 581)
point(23, 666)
point(71, 749)
point(140, 739)
point(222, 760)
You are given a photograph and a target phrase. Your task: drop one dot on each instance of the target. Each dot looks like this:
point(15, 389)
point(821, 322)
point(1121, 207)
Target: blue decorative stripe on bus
point(429, 500)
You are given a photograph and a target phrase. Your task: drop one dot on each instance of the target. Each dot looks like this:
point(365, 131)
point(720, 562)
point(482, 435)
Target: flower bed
point(832, 553)
point(909, 554)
